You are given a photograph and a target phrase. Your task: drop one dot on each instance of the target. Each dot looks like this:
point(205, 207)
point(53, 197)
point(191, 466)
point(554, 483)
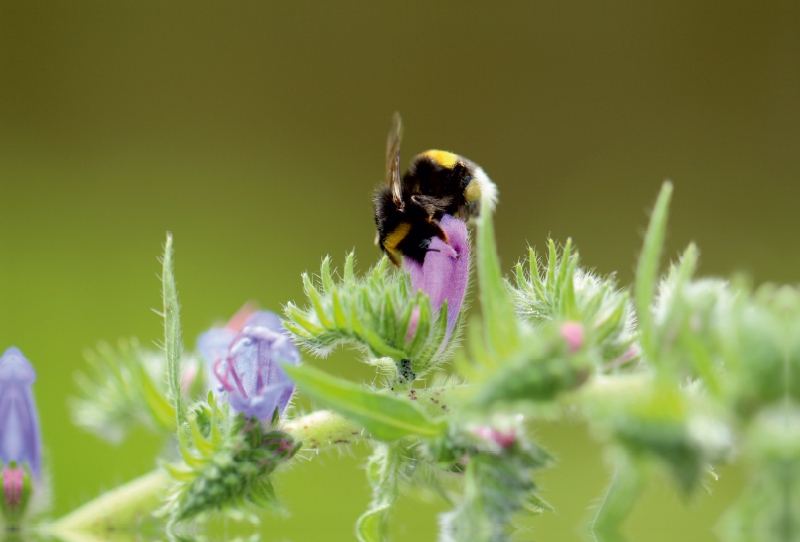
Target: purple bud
point(573, 334)
point(246, 364)
point(20, 440)
point(444, 273)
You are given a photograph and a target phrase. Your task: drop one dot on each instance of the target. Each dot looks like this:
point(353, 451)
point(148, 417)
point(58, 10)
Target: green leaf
point(372, 313)
point(325, 275)
point(423, 325)
point(172, 330)
point(349, 268)
point(316, 300)
point(158, 406)
point(387, 417)
point(339, 315)
point(371, 526)
point(498, 309)
point(647, 268)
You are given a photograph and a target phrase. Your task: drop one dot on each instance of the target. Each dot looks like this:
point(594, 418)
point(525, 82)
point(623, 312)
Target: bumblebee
point(408, 211)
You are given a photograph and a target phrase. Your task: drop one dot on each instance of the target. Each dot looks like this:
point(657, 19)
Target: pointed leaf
point(498, 309)
point(314, 296)
point(647, 268)
point(387, 417)
point(172, 330)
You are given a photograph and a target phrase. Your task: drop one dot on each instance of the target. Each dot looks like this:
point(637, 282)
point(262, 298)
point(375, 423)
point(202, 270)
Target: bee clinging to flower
point(408, 210)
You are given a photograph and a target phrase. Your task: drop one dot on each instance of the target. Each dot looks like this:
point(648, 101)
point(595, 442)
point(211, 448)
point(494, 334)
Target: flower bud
point(504, 438)
point(573, 334)
point(20, 440)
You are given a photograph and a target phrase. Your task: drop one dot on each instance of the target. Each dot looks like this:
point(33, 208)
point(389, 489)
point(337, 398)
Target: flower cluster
point(675, 375)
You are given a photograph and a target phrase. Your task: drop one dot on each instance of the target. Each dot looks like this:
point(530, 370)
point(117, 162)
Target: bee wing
point(393, 160)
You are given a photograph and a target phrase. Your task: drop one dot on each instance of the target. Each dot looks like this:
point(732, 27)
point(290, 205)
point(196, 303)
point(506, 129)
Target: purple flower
point(245, 363)
point(444, 273)
point(20, 441)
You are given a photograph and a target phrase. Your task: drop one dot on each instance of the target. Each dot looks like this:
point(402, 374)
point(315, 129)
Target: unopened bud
point(504, 438)
point(573, 334)
point(13, 479)
point(16, 491)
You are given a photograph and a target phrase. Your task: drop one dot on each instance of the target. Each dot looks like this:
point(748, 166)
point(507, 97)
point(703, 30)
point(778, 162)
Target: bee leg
point(439, 231)
point(430, 207)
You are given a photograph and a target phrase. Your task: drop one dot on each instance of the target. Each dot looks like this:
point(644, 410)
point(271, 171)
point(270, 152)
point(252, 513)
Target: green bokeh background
point(255, 131)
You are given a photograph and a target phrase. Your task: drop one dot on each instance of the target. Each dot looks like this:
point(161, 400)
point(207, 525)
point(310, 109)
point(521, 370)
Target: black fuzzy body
point(429, 191)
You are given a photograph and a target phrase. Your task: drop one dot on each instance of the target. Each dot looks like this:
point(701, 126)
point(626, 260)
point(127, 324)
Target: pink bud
point(412, 324)
point(573, 334)
point(239, 320)
point(188, 378)
point(502, 437)
point(13, 478)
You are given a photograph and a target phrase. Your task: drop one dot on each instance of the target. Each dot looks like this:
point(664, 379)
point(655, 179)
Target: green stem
point(323, 429)
point(123, 505)
point(621, 496)
point(129, 503)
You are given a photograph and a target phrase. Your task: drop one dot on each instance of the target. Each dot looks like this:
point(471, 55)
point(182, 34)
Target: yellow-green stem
point(130, 503)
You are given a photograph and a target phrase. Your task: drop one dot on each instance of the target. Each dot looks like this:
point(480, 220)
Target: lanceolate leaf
point(647, 268)
point(172, 331)
point(498, 309)
point(387, 417)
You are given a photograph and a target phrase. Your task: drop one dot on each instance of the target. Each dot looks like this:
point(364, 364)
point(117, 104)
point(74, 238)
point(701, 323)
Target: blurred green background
point(255, 131)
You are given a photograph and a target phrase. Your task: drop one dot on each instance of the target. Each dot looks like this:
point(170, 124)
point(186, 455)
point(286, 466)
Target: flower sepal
point(379, 313)
point(226, 464)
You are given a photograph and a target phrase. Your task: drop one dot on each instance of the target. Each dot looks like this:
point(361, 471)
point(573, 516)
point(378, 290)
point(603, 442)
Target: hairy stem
point(123, 505)
point(618, 501)
point(323, 429)
point(130, 503)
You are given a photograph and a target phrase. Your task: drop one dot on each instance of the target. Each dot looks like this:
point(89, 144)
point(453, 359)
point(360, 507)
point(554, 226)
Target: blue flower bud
point(20, 440)
point(246, 365)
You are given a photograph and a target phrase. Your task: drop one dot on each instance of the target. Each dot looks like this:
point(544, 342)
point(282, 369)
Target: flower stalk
point(132, 503)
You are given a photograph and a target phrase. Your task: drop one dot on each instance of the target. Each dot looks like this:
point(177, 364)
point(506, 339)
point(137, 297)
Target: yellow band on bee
point(443, 158)
point(394, 238)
